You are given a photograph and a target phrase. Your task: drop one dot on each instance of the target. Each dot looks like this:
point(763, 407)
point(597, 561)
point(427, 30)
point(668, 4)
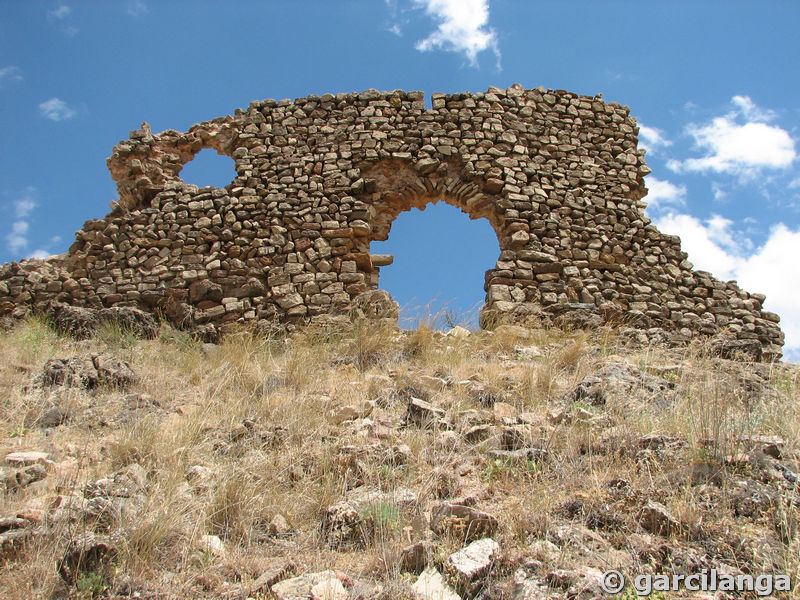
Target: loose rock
point(465, 522)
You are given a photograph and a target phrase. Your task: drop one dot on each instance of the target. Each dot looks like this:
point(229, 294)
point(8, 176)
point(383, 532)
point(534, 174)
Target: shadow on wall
point(440, 258)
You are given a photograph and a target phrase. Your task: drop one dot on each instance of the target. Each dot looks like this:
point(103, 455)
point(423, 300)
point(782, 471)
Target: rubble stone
point(431, 585)
point(465, 521)
point(473, 562)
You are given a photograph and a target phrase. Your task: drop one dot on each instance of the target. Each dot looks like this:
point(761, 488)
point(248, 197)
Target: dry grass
point(254, 413)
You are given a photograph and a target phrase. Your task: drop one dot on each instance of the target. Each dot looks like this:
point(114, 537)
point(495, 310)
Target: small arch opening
point(209, 168)
point(440, 259)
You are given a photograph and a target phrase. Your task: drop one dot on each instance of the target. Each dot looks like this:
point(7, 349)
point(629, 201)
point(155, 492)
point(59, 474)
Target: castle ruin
point(558, 176)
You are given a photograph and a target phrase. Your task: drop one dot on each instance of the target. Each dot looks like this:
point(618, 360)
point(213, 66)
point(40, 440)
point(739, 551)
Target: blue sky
point(712, 84)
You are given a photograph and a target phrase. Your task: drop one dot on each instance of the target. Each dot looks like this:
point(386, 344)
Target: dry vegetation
point(249, 441)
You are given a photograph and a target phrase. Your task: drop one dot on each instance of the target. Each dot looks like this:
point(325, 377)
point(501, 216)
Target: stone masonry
point(558, 176)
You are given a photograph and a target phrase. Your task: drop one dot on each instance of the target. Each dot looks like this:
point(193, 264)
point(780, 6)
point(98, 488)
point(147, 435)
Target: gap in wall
point(209, 168)
point(440, 258)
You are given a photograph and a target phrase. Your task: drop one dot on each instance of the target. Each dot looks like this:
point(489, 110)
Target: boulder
point(424, 414)
point(584, 583)
point(211, 544)
point(14, 541)
point(351, 521)
point(323, 585)
point(431, 585)
point(139, 323)
point(414, 558)
point(25, 459)
point(113, 372)
point(656, 518)
point(87, 372)
point(342, 525)
point(532, 588)
point(466, 522)
point(87, 553)
point(737, 349)
point(115, 500)
point(83, 323)
point(376, 304)
point(80, 323)
point(75, 371)
point(340, 414)
point(620, 381)
point(471, 564)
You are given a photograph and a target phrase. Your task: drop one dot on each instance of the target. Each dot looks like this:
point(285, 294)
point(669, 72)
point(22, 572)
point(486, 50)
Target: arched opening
point(440, 258)
point(209, 168)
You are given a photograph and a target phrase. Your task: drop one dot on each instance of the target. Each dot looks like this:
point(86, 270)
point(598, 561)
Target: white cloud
point(17, 240)
point(733, 147)
point(56, 109)
point(397, 21)
point(61, 17)
point(137, 8)
point(59, 13)
point(749, 110)
point(770, 269)
point(24, 205)
point(719, 192)
point(652, 139)
point(708, 244)
point(739, 143)
point(462, 28)
point(10, 73)
point(661, 192)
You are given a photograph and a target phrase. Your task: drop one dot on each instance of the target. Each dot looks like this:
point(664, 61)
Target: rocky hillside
point(368, 462)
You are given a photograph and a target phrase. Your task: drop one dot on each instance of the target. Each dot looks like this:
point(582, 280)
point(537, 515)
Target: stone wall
point(558, 176)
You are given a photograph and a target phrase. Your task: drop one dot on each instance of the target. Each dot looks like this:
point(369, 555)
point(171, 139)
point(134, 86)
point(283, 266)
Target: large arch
point(434, 265)
point(396, 186)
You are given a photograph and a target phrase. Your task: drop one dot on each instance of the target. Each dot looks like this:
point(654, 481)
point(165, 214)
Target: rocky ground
point(372, 463)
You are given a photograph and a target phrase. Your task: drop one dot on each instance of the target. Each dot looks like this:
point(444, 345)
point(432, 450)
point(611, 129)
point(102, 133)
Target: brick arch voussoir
point(392, 186)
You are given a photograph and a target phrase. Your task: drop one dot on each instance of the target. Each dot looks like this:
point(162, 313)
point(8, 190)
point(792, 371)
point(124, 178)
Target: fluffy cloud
point(748, 109)
point(663, 193)
point(462, 28)
point(137, 8)
point(770, 269)
point(652, 139)
point(17, 239)
point(61, 17)
point(24, 206)
point(56, 109)
point(60, 12)
point(709, 244)
point(10, 73)
point(740, 143)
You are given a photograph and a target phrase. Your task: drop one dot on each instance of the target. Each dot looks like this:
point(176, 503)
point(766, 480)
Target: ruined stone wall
point(558, 176)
